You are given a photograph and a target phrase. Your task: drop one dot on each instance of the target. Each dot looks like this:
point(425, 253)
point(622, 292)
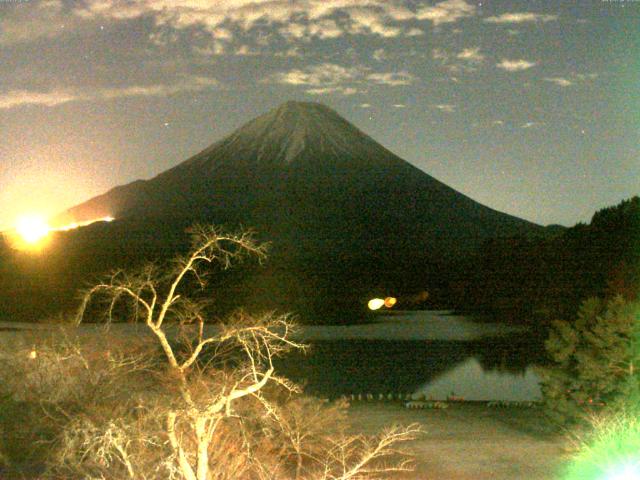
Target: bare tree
point(213, 372)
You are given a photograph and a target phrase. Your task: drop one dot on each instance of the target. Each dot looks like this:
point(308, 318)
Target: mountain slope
point(346, 217)
point(301, 170)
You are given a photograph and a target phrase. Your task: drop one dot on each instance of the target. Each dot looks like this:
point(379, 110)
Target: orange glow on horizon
point(32, 231)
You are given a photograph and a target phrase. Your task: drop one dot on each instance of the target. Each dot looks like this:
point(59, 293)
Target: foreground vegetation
point(593, 387)
point(178, 403)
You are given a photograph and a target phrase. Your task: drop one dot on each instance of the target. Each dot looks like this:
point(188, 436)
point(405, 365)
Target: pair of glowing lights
point(378, 303)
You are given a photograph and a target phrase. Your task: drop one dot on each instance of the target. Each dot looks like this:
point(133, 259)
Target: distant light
point(390, 301)
point(32, 229)
point(375, 303)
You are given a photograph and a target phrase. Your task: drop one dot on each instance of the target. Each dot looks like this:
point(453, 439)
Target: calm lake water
point(434, 353)
point(428, 352)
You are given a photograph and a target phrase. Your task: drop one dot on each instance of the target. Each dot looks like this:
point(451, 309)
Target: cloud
point(393, 79)
point(328, 90)
point(399, 105)
point(365, 105)
point(446, 107)
point(293, 19)
point(449, 11)
point(319, 75)
point(560, 81)
point(370, 21)
point(471, 55)
point(414, 32)
point(232, 21)
point(586, 76)
point(329, 78)
point(466, 60)
point(322, 29)
point(529, 125)
point(20, 98)
point(515, 65)
point(521, 17)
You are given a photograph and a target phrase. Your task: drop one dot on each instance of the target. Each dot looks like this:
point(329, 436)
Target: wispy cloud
point(515, 65)
point(393, 79)
point(471, 54)
point(466, 60)
point(325, 74)
point(327, 90)
point(295, 20)
point(18, 98)
point(560, 81)
point(445, 107)
point(414, 32)
point(521, 17)
point(449, 11)
point(399, 105)
point(332, 78)
point(52, 98)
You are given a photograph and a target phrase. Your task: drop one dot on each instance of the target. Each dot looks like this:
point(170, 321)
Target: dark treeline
point(539, 280)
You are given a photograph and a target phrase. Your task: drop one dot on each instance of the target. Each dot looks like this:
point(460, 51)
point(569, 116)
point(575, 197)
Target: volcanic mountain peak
point(292, 131)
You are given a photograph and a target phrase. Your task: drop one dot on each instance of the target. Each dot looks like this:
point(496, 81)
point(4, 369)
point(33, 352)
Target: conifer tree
point(596, 360)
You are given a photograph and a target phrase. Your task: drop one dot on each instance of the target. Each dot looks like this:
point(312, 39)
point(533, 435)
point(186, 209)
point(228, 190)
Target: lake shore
point(471, 441)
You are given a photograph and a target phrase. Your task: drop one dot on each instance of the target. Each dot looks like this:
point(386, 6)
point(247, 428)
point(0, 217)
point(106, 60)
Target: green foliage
point(596, 360)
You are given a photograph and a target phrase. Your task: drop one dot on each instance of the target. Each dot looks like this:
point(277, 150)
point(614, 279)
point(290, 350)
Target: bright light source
point(390, 301)
point(627, 471)
point(32, 229)
point(375, 303)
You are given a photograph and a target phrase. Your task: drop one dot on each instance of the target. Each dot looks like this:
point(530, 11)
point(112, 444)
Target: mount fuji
point(346, 217)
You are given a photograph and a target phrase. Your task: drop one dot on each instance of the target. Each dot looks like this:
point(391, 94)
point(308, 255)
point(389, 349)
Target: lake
point(434, 353)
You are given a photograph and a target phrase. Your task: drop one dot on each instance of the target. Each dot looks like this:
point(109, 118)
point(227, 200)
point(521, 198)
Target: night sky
point(531, 107)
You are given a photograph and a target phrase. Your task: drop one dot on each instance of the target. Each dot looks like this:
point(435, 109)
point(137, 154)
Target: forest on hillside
point(527, 280)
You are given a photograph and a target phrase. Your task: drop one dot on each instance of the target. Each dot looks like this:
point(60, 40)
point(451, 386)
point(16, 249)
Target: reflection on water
point(470, 381)
point(475, 367)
